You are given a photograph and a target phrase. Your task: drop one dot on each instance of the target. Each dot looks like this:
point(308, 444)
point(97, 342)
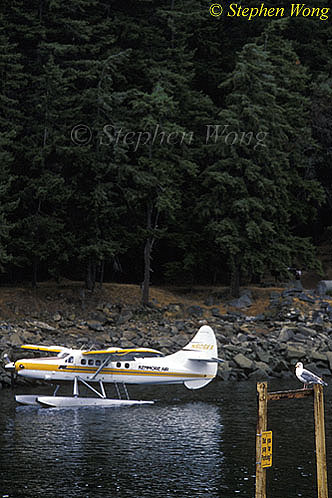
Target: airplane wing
point(51, 349)
point(124, 352)
point(107, 352)
point(128, 353)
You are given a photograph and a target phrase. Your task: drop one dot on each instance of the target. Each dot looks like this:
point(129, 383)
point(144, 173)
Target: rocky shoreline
point(296, 325)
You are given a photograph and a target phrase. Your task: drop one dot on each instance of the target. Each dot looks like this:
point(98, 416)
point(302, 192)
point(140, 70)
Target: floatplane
point(194, 366)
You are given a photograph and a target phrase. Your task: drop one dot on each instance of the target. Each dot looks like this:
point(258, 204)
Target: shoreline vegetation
point(260, 335)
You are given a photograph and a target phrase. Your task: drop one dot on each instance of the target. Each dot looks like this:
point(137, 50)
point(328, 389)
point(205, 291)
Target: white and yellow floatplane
point(194, 366)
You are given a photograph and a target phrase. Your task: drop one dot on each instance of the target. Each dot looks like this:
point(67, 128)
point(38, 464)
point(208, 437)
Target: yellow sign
point(266, 449)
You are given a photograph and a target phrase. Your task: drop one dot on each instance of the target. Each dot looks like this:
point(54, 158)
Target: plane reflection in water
point(166, 450)
point(195, 366)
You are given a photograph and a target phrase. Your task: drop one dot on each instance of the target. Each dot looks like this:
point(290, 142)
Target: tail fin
point(202, 351)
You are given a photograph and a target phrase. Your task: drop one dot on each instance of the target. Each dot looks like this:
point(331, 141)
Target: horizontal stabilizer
point(207, 360)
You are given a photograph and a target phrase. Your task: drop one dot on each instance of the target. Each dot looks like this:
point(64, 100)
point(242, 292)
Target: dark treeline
point(149, 138)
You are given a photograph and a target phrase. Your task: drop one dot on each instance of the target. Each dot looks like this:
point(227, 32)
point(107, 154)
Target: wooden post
point(263, 398)
point(261, 427)
point(320, 442)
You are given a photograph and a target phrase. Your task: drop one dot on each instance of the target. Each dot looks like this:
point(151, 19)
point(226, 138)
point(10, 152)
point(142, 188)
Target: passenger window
point(118, 364)
point(83, 362)
point(98, 363)
point(71, 359)
point(91, 362)
point(127, 365)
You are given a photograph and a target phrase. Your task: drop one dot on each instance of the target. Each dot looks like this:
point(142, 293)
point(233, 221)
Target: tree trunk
point(34, 272)
point(90, 277)
point(235, 281)
point(101, 276)
point(147, 269)
point(147, 253)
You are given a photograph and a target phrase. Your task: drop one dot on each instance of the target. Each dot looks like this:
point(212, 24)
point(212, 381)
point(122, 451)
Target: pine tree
point(40, 239)
point(250, 200)
point(11, 80)
point(61, 214)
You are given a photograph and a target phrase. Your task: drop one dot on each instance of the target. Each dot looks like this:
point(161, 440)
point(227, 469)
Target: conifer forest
point(164, 141)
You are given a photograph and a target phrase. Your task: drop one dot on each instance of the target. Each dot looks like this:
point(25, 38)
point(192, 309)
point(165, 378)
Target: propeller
point(10, 367)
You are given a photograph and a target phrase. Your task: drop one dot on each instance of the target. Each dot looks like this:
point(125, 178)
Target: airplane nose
point(10, 367)
point(19, 366)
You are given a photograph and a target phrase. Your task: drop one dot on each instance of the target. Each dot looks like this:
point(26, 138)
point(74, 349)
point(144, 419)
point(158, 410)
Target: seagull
point(306, 376)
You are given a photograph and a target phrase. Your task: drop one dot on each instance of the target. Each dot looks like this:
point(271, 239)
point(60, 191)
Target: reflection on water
point(189, 444)
point(163, 450)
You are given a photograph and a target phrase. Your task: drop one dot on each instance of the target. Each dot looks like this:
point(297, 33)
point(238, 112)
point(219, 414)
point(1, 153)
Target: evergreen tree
point(11, 81)
point(166, 107)
point(155, 170)
point(78, 191)
point(322, 125)
point(249, 199)
point(293, 81)
point(39, 230)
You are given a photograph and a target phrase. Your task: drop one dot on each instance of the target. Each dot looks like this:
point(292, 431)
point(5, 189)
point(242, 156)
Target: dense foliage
point(149, 136)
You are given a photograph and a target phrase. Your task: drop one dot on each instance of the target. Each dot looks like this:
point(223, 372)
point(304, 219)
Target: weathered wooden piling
point(263, 397)
point(320, 442)
point(261, 427)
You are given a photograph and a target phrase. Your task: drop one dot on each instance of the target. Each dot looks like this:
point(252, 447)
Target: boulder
point(130, 335)
point(260, 365)
point(295, 352)
point(280, 366)
point(215, 312)
point(124, 317)
point(180, 340)
point(329, 358)
point(243, 362)
point(15, 339)
point(174, 308)
point(242, 302)
point(164, 342)
point(195, 310)
point(45, 327)
point(224, 370)
point(318, 356)
point(304, 297)
point(323, 287)
point(258, 374)
point(94, 325)
point(286, 334)
point(307, 331)
point(263, 355)
point(209, 301)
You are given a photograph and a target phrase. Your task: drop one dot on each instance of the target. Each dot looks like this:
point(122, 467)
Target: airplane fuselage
point(153, 370)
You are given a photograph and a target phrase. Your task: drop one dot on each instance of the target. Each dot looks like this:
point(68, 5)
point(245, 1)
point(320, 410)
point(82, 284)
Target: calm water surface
point(188, 444)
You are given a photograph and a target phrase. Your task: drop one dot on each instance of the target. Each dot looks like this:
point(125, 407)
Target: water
point(188, 444)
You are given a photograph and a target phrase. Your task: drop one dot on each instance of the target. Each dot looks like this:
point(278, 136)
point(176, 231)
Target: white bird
point(306, 376)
